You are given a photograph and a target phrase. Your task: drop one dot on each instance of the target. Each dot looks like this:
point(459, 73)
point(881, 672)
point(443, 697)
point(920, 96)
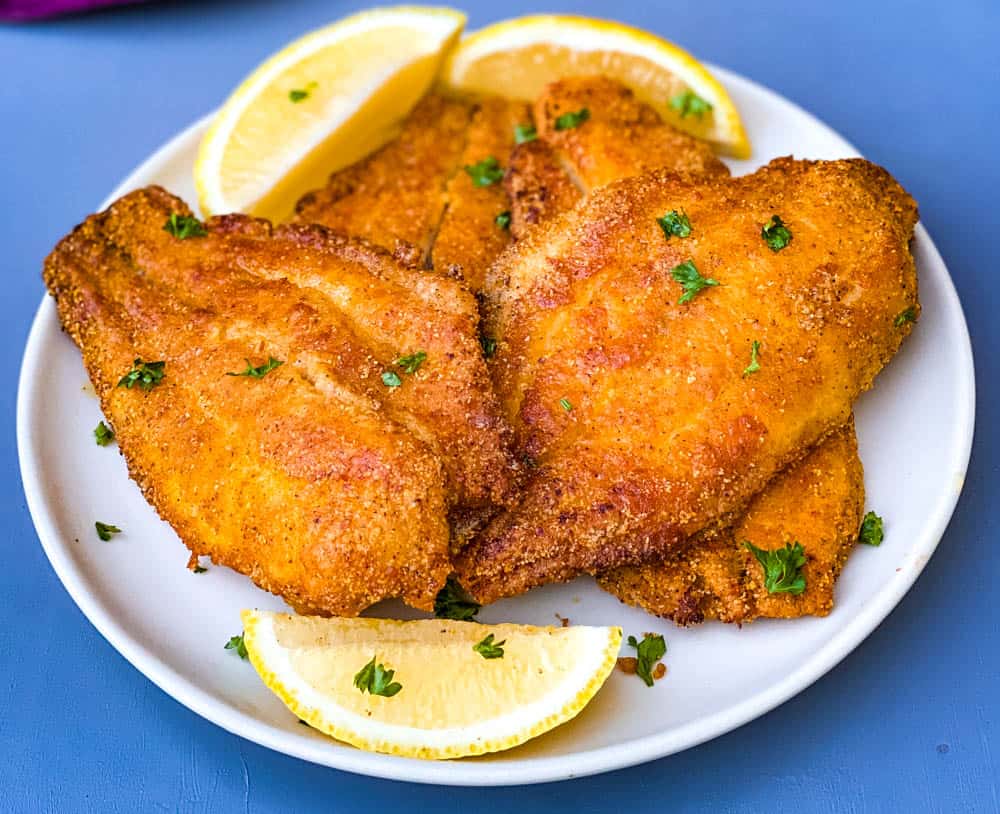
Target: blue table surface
point(908, 722)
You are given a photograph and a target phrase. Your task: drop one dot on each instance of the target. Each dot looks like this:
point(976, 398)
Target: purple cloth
point(34, 9)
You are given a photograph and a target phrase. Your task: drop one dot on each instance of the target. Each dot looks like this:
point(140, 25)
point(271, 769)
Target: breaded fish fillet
point(816, 502)
point(636, 409)
point(327, 479)
point(395, 198)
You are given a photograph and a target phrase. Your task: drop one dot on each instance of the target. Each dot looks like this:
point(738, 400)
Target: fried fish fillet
point(816, 502)
point(323, 480)
point(395, 198)
point(633, 407)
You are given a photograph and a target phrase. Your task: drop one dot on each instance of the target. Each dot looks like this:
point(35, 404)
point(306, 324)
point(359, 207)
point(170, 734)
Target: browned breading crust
point(538, 185)
point(664, 434)
point(395, 198)
point(817, 502)
point(318, 481)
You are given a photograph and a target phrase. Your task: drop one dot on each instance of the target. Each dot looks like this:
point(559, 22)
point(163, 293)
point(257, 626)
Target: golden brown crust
point(538, 185)
point(817, 502)
point(395, 197)
point(665, 434)
point(317, 481)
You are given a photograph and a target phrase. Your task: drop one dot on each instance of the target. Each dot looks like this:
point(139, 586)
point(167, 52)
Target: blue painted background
point(909, 722)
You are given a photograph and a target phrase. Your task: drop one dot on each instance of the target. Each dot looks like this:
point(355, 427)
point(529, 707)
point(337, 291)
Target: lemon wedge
point(452, 691)
point(518, 58)
point(321, 103)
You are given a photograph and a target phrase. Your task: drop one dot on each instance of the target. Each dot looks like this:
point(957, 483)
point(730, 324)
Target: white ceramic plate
point(915, 432)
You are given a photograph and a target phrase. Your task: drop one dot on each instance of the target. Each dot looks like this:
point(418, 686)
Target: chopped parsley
point(775, 234)
point(754, 365)
point(144, 374)
point(391, 379)
point(675, 224)
point(106, 531)
point(690, 103)
point(259, 372)
point(566, 404)
point(489, 346)
point(452, 602)
point(103, 434)
point(871, 532)
point(236, 643)
point(782, 568)
point(184, 226)
point(525, 132)
point(488, 650)
point(650, 650)
point(486, 172)
point(567, 121)
point(503, 219)
point(411, 362)
point(907, 315)
point(375, 679)
point(199, 569)
point(296, 95)
point(691, 281)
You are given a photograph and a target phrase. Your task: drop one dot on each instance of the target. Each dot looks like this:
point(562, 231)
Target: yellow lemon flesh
point(517, 58)
point(321, 103)
point(451, 701)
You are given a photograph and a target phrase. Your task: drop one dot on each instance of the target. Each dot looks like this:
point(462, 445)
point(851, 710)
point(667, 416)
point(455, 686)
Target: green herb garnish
point(298, 94)
point(259, 372)
point(489, 346)
point(103, 434)
point(675, 224)
point(524, 132)
point(775, 234)
point(106, 531)
point(690, 103)
point(391, 379)
point(488, 650)
point(375, 679)
point(452, 602)
point(144, 374)
point(754, 365)
point(691, 281)
point(650, 650)
point(567, 121)
point(236, 643)
point(871, 532)
point(782, 568)
point(486, 172)
point(411, 363)
point(199, 569)
point(503, 219)
point(566, 404)
point(184, 226)
point(907, 315)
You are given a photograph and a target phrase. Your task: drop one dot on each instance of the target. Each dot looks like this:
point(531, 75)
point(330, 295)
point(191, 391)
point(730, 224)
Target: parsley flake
point(236, 643)
point(650, 650)
point(452, 602)
point(871, 532)
point(782, 568)
point(690, 103)
point(907, 315)
point(144, 374)
point(375, 679)
point(411, 363)
point(296, 95)
point(525, 132)
point(566, 404)
point(103, 434)
point(489, 346)
point(691, 281)
point(261, 371)
point(567, 121)
point(199, 569)
point(391, 379)
point(675, 224)
point(486, 172)
point(184, 226)
point(754, 365)
point(488, 650)
point(775, 234)
point(106, 531)
point(503, 219)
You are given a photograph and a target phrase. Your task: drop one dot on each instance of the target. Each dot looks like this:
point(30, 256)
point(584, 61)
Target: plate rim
point(474, 773)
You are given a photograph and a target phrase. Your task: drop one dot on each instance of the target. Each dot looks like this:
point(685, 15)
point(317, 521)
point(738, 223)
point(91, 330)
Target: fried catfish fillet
point(395, 197)
point(328, 478)
point(816, 502)
point(624, 366)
